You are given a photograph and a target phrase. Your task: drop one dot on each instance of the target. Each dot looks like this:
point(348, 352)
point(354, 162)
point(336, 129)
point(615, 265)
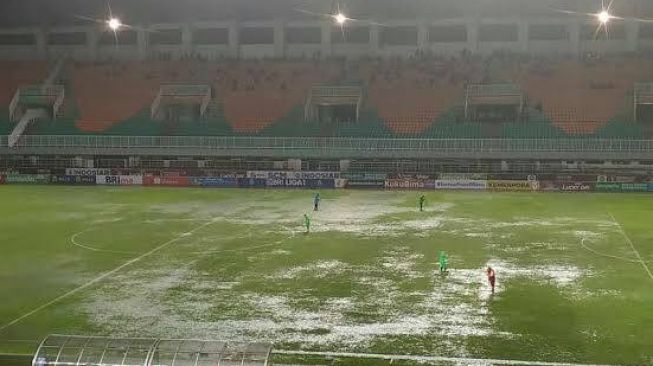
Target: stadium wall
point(235, 43)
point(327, 180)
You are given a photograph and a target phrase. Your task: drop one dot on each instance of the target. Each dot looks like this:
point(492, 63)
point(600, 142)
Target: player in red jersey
point(491, 277)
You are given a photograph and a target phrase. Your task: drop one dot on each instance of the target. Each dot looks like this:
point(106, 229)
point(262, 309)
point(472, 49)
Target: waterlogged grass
point(236, 264)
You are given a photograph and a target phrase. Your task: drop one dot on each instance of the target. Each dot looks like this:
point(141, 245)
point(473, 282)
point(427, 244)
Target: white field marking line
point(594, 251)
point(73, 241)
point(102, 277)
point(73, 238)
point(431, 358)
point(632, 246)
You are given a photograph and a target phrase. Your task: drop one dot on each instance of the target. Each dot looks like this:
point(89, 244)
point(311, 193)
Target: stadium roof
point(19, 13)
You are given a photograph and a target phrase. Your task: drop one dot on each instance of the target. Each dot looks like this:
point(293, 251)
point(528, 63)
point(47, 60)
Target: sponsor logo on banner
point(634, 187)
point(251, 182)
point(364, 176)
point(461, 184)
point(166, 180)
point(404, 184)
point(119, 180)
point(27, 178)
point(285, 183)
point(214, 182)
point(462, 176)
point(575, 186)
point(292, 175)
point(131, 180)
point(623, 178)
point(512, 185)
point(547, 185)
point(365, 184)
point(650, 187)
point(301, 183)
point(87, 171)
point(608, 187)
point(72, 179)
point(104, 180)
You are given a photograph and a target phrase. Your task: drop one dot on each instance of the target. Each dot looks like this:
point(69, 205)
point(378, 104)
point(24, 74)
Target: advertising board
point(461, 184)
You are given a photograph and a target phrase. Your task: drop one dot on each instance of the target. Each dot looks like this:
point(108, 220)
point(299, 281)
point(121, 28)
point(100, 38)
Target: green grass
point(235, 264)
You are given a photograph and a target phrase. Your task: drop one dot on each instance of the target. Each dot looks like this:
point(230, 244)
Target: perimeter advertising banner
point(575, 186)
point(462, 184)
point(119, 180)
point(73, 179)
point(166, 180)
point(512, 185)
point(87, 171)
point(361, 177)
point(260, 174)
point(608, 187)
point(27, 178)
point(251, 182)
point(622, 187)
point(549, 186)
point(405, 184)
point(213, 182)
point(462, 176)
point(650, 187)
point(365, 183)
point(301, 183)
point(634, 187)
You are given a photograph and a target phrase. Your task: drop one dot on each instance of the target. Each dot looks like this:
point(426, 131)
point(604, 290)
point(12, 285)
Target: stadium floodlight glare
point(340, 18)
point(604, 16)
point(114, 24)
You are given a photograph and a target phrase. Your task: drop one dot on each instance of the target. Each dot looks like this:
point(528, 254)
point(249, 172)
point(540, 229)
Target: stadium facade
point(519, 93)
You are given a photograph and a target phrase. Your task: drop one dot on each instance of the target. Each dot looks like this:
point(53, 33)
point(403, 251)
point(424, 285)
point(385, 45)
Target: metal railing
point(333, 143)
point(474, 90)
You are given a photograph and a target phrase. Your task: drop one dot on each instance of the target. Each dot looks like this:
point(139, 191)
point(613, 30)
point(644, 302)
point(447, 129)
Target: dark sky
point(14, 13)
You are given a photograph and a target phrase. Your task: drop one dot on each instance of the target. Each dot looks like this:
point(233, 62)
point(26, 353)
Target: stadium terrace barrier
point(324, 146)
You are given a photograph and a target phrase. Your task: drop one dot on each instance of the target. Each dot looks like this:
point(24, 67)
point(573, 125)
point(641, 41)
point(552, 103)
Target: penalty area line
point(457, 360)
point(101, 277)
point(632, 246)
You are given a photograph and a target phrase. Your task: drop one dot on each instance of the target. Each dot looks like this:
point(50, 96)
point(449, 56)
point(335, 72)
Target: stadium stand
point(418, 97)
point(582, 97)
point(410, 96)
point(256, 94)
point(14, 74)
